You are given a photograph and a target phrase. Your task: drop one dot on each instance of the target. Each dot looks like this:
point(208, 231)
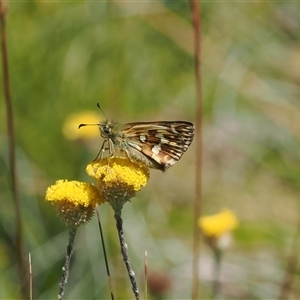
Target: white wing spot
point(156, 149)
point(143, 138)
point(163, 140)
point(173, 129)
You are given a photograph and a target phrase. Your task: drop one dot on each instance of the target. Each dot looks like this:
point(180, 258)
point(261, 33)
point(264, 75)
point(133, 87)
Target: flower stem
point(124, 250)
point(292, 266)
point(105, 255)
point(65, 269)
point(19, 243)
point(216, 280)
point(195, 6)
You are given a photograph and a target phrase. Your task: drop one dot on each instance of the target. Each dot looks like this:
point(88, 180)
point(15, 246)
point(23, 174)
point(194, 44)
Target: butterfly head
point(106, 128)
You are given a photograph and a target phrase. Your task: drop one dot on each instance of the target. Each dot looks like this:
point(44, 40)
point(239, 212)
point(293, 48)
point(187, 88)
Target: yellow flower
point(118, 179)
point(218, 224)
point(70, 127)
point(75, 201)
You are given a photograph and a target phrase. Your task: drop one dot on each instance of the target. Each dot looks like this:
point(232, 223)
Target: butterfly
point(158, 145)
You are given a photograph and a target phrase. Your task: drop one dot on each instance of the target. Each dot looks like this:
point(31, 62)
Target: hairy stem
point(124, 250)
point(66, 267)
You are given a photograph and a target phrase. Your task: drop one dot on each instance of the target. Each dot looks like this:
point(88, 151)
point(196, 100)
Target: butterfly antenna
point(98, 105)
point(82, 125)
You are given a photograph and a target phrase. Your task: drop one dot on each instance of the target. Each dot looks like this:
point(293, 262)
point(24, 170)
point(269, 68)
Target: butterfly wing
point(162, 142)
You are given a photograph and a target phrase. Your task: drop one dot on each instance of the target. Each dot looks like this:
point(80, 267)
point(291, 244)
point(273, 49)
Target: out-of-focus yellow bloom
point(118, 179)
point(75, 201)
point(218, 224)
point(70, 127)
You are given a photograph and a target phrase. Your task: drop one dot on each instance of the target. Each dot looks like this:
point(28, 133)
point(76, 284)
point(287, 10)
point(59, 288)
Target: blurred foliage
point(136, 59)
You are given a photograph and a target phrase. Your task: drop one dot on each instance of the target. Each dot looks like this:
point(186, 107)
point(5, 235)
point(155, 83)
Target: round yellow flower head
point(218, 224)
point(70, 127)
point(118, 178)
point(75, 201)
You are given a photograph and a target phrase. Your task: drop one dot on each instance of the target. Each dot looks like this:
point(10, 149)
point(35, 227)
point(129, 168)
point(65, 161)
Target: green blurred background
point(136, 59)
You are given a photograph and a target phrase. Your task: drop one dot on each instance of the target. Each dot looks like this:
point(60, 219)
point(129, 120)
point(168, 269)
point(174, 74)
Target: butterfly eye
point(106, 129)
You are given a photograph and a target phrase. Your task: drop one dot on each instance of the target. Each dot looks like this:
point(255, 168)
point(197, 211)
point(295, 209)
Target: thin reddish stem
point(196, 18)
point(22, 270)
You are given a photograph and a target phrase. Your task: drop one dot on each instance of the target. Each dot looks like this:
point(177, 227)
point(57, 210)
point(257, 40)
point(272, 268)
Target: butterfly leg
point(131, 161)
point(111, 151)
point(101, 151)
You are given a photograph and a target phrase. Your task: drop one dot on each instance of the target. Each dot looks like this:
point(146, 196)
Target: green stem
point(105, 255)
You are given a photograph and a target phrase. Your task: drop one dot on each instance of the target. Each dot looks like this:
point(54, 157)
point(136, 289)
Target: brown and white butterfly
point(158, 145)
